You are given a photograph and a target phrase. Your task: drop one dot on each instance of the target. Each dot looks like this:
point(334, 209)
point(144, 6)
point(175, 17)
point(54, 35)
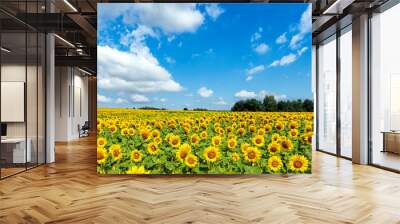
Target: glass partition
point(385, 89)
point(327, 95)
point(22, 77)
point(346, 92)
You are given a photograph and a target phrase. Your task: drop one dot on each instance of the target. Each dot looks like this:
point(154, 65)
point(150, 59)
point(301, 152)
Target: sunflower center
point(136, 155)
point(101, 142)
point(211, 155)
point(297, 164)
point(217, 142)
point(194, 139)
point(175, 141)
point(258, 141)
point(183, 154)
point(191, 160)
point(251, 155)
point(273, 148)
point(116, 153)
point(232, 144)
point(285, 144)
point(275, 163)
point(153, 148)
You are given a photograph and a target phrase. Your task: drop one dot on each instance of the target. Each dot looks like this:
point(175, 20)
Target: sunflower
point(274, 147)
point(211, 154)
point(279, 126)
point(232, 143)
point(101, 142)
point(145, 134)
point(286, 144)
point(131, 131)
point(125, 132)
point(116, 151)
point(293, 133)
point(168, 136)
point(261, 132)
point(244, 147)
point(267, 128)
point(183, 151)
point(136, 155)
point(258, 140)
point(252, 128)
point(155, 134)
point(194, 139)
point(152, 148)
point(101, 155)
point(191, 161)
point(137, 170)
point(157, 140)
point(113, 128)
point(293, 125)
point(308, 128)
point(298, 163)
point(252, 154)
point(203, 135)
point(274, 163)
point(275, 138)
point(216, 140)
point(235, 156)
point(241, 131)
point(175, 141)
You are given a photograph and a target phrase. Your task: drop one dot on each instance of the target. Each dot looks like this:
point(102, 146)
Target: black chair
point(84, 130)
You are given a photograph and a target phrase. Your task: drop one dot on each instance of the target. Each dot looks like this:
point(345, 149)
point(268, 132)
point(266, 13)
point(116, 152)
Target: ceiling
point(75, 22)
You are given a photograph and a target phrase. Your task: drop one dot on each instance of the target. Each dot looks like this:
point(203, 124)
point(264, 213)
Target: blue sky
point(202, 55)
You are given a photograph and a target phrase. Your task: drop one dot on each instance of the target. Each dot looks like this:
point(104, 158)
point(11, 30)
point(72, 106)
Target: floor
point(70, 191)
point(387, 159)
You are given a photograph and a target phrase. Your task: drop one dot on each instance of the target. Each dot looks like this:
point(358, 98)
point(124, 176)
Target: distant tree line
point(269, 104)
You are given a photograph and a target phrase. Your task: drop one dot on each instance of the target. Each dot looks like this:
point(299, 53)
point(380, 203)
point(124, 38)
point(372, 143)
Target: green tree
point(308, 105)
point(247, 105)
point(269, 103)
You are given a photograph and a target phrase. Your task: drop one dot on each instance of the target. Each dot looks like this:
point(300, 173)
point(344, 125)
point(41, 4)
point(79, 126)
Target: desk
point(18, 149)
point(391, 141)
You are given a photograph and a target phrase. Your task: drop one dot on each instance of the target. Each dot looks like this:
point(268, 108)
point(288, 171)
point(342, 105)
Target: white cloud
point(302, 51)
point(204, 92)
point(249, 78)
point(220, 101)
point(303, 28)
point(170, 60)
point(255, 36)
point(180, 44)
point(137, 98)
point(210, 51)
point(245, 94)
point(120, 101)
point(163, 100)
point(214, 11)
point(170, 18)
point(255, 70)
point(261, 48)
point(281, 39)
point(103, 99)
point(171, 38)
point(136, 71)
point(285, 60)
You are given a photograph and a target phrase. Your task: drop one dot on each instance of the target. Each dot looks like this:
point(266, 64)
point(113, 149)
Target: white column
point(360, 90)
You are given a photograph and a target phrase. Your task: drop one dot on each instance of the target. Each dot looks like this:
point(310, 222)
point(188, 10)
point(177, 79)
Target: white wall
point(71, 102)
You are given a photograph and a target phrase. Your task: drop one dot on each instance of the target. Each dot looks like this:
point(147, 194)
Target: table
point(391, 141)
point(18, 149)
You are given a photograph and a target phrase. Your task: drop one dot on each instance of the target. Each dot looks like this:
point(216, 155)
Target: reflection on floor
point(387, 159)
point(70, 191)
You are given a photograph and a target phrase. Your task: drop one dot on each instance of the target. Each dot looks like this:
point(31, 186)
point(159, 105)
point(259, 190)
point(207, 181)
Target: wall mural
point(204, 88)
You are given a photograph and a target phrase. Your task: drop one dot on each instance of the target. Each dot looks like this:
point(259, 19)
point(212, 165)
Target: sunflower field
point(131, 141)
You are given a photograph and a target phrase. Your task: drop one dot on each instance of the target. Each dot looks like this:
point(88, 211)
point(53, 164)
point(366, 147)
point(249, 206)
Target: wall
point(71, 102)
